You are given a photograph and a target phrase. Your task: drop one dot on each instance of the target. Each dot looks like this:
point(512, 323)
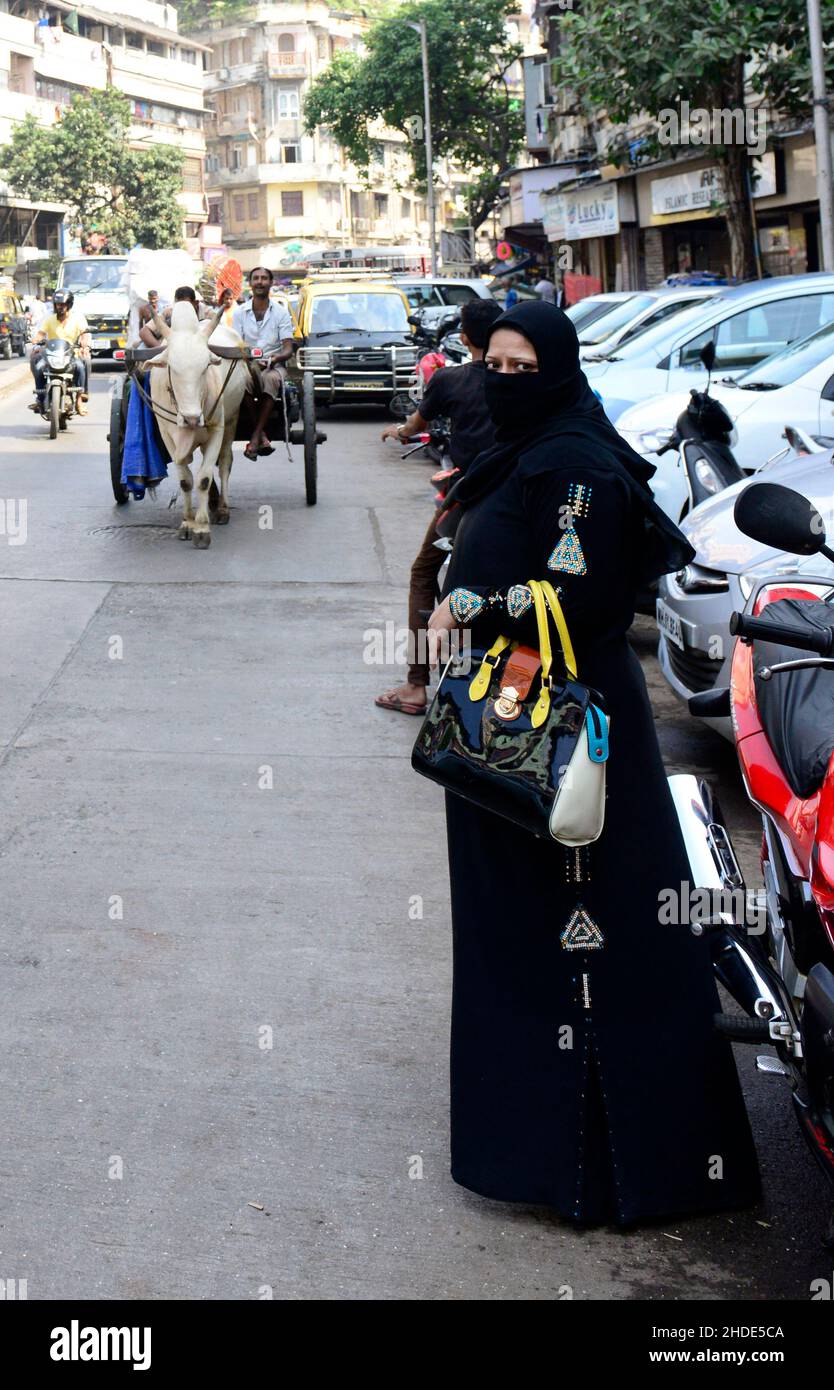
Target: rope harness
point(173, 416)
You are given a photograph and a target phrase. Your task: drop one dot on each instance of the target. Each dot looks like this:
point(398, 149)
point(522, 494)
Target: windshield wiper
point(758, 385)
point(328, 332)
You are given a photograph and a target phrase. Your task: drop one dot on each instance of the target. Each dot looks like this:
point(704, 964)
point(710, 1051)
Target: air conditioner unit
point(223, 74)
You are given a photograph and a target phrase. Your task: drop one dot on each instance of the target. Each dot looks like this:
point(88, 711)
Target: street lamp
point(822, 135)
point(420, 28)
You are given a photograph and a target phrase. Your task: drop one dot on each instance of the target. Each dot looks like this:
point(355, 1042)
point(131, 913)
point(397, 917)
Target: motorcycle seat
point(797, 707)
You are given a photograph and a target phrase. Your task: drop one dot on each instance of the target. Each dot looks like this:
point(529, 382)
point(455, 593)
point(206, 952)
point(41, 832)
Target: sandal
point(264, 450)
point(250, 453)
point(394, 702)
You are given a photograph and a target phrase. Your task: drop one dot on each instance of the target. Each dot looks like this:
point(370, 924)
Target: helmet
point(63, 297)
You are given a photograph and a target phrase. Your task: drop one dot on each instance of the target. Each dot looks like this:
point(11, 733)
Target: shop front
point(592, 230)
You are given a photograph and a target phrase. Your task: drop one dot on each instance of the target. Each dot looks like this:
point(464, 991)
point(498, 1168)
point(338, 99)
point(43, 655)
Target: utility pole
point(420, 28)
point(822, 135)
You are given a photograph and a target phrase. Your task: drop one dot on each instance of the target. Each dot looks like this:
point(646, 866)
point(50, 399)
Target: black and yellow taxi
point(354, 337)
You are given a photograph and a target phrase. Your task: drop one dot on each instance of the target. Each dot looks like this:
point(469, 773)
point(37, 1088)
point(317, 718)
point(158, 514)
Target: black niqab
point(551, 420)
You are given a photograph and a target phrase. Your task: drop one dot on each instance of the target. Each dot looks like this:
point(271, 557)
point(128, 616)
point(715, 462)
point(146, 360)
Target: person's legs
point(80, 379)
point(272, 386)
point(38, 366)
point(422, 594)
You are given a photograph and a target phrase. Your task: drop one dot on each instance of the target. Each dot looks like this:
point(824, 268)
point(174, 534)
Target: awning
point(528, 235)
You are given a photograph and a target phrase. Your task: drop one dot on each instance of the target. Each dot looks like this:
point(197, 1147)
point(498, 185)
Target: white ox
point(196, 410)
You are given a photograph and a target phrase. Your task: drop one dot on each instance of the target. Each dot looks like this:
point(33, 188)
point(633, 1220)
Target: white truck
point(99, 284)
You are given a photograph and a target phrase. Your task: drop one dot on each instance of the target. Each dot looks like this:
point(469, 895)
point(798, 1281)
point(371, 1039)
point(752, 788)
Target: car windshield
point(80, 277)
point(659, 339)
point(586, 311)
point(791, 363)
point(617, 315)
point(371, 313)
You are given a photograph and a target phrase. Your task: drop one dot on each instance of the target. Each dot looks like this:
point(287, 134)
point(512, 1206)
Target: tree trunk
point(733, 164)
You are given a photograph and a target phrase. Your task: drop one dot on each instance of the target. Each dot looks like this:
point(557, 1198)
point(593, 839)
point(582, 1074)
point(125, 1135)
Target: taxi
point(354, 337)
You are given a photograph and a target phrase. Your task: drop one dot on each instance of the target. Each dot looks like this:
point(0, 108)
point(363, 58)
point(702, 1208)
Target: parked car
point(14, 325)
point(434, 295)
point(595, 306)
point(694, 606)
point(746, 322)
point(795, 385)
point(634, 315)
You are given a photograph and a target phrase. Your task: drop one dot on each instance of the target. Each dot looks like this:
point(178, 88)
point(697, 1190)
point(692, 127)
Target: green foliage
point(85, 162)
point(474, 118)
point(196, 14)
point(628, 56)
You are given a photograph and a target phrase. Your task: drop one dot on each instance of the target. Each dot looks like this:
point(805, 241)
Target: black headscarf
point(551, 420)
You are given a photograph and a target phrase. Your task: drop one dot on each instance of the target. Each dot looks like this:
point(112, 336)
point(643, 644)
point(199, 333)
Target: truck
point(99, 284)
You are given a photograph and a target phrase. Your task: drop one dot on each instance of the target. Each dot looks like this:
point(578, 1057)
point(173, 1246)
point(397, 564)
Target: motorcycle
point(439, 346)
point(60, 393)
point(702, 435)
point(780, 970)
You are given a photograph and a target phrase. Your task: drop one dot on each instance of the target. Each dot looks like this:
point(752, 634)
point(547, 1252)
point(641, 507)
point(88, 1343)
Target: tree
point(196, 14)
point(476, 121)
point(85, 162)
point(624, 57)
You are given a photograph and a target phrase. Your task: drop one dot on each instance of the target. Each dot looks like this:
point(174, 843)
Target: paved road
point(223, 1038)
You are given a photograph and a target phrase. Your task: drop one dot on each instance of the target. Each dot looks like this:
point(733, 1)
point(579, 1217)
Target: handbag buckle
point(508, 705)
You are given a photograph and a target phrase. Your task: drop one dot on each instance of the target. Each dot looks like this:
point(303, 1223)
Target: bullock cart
point(296, 424)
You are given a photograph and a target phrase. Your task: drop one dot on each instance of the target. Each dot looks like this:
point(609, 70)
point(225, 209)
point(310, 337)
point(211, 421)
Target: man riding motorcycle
point(73, 328)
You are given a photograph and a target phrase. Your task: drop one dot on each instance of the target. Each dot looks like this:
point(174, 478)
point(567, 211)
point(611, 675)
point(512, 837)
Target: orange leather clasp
point(523, 665)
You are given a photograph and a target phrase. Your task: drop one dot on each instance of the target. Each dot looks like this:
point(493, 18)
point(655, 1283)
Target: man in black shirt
point(458, 394)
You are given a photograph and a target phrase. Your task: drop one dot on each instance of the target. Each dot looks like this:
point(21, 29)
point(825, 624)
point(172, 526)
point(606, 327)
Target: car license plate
point(101, 340)
point(669, 624)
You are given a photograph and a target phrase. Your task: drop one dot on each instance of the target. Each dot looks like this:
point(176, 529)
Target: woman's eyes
point(513, 366)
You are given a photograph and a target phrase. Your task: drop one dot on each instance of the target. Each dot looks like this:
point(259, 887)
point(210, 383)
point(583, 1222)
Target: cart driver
point(265, 323)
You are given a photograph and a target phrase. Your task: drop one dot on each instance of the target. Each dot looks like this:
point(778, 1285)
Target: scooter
point(780, 969)
point(702, 435)
point(60, 393)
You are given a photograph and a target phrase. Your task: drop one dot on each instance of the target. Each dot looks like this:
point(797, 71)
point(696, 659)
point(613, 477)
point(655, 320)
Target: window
point(192, 176)
point(21, 73)
point(215, 211)
point(189, 55)
point(746, 338)
point(254, 201)
point(288, 107)
point(291, 154)
point(286, 43)
point(240, 207)
point(159, 50)
point(134, 40)
point(292, 204)
point(458, 294)
point(381, 205)
point(234, 52)
point(322, 46)
point(192, 229)
point(377, 313)
point(236, 157)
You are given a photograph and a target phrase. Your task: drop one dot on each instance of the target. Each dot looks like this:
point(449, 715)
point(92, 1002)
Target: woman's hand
point(440, 621)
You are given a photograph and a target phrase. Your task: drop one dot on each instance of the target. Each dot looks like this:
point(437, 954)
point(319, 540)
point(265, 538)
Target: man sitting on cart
point(264, 323)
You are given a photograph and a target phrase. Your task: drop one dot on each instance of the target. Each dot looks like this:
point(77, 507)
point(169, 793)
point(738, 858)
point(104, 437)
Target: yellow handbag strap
point(561, 627)
point(480, 685)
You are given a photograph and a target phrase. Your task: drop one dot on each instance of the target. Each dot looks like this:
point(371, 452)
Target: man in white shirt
point(264, 323)
point(546, 290)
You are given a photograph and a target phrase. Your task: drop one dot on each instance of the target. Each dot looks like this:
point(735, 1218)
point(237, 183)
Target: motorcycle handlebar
point(787, 634)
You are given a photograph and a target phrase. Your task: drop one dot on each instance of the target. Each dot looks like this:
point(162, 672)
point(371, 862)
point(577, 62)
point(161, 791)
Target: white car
point(794, 387)
point(634, 314)
point(747, 323)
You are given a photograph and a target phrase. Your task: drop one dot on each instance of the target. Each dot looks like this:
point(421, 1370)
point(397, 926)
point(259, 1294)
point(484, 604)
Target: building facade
point(49, 51)
point(276, 190)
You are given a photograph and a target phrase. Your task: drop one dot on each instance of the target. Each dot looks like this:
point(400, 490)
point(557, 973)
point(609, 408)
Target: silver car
point(694, 606)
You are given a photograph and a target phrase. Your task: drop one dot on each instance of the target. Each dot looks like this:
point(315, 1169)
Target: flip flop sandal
point(394, 702)
point(250, 454)
point(264, 450)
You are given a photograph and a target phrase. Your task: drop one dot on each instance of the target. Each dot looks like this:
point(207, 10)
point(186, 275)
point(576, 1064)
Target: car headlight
point(647, 441)
point(707, 476)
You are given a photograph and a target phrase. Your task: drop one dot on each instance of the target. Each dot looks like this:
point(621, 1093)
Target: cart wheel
point(120, 492)
point(308, 411)
point(54, 411)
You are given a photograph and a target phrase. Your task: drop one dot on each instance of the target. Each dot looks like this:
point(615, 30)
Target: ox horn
point(208, 326)
point(160, 326)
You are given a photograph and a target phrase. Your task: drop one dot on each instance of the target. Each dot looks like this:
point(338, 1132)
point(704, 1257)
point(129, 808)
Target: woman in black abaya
point(585, 1072)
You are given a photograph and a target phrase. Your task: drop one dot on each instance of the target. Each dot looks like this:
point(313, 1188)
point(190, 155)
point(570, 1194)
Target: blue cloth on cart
point(142, 463)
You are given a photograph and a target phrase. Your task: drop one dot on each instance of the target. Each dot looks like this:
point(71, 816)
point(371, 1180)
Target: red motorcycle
point(778, 962)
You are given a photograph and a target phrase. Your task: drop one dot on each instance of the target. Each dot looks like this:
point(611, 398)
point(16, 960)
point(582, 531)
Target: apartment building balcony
point(292, 64)
point(218, 125)
point(218, 79)
point(270, 173)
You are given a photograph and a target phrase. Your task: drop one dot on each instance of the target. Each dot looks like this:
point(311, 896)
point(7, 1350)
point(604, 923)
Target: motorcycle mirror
point(708, 355)
point(779, 517)
point(415, 321)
